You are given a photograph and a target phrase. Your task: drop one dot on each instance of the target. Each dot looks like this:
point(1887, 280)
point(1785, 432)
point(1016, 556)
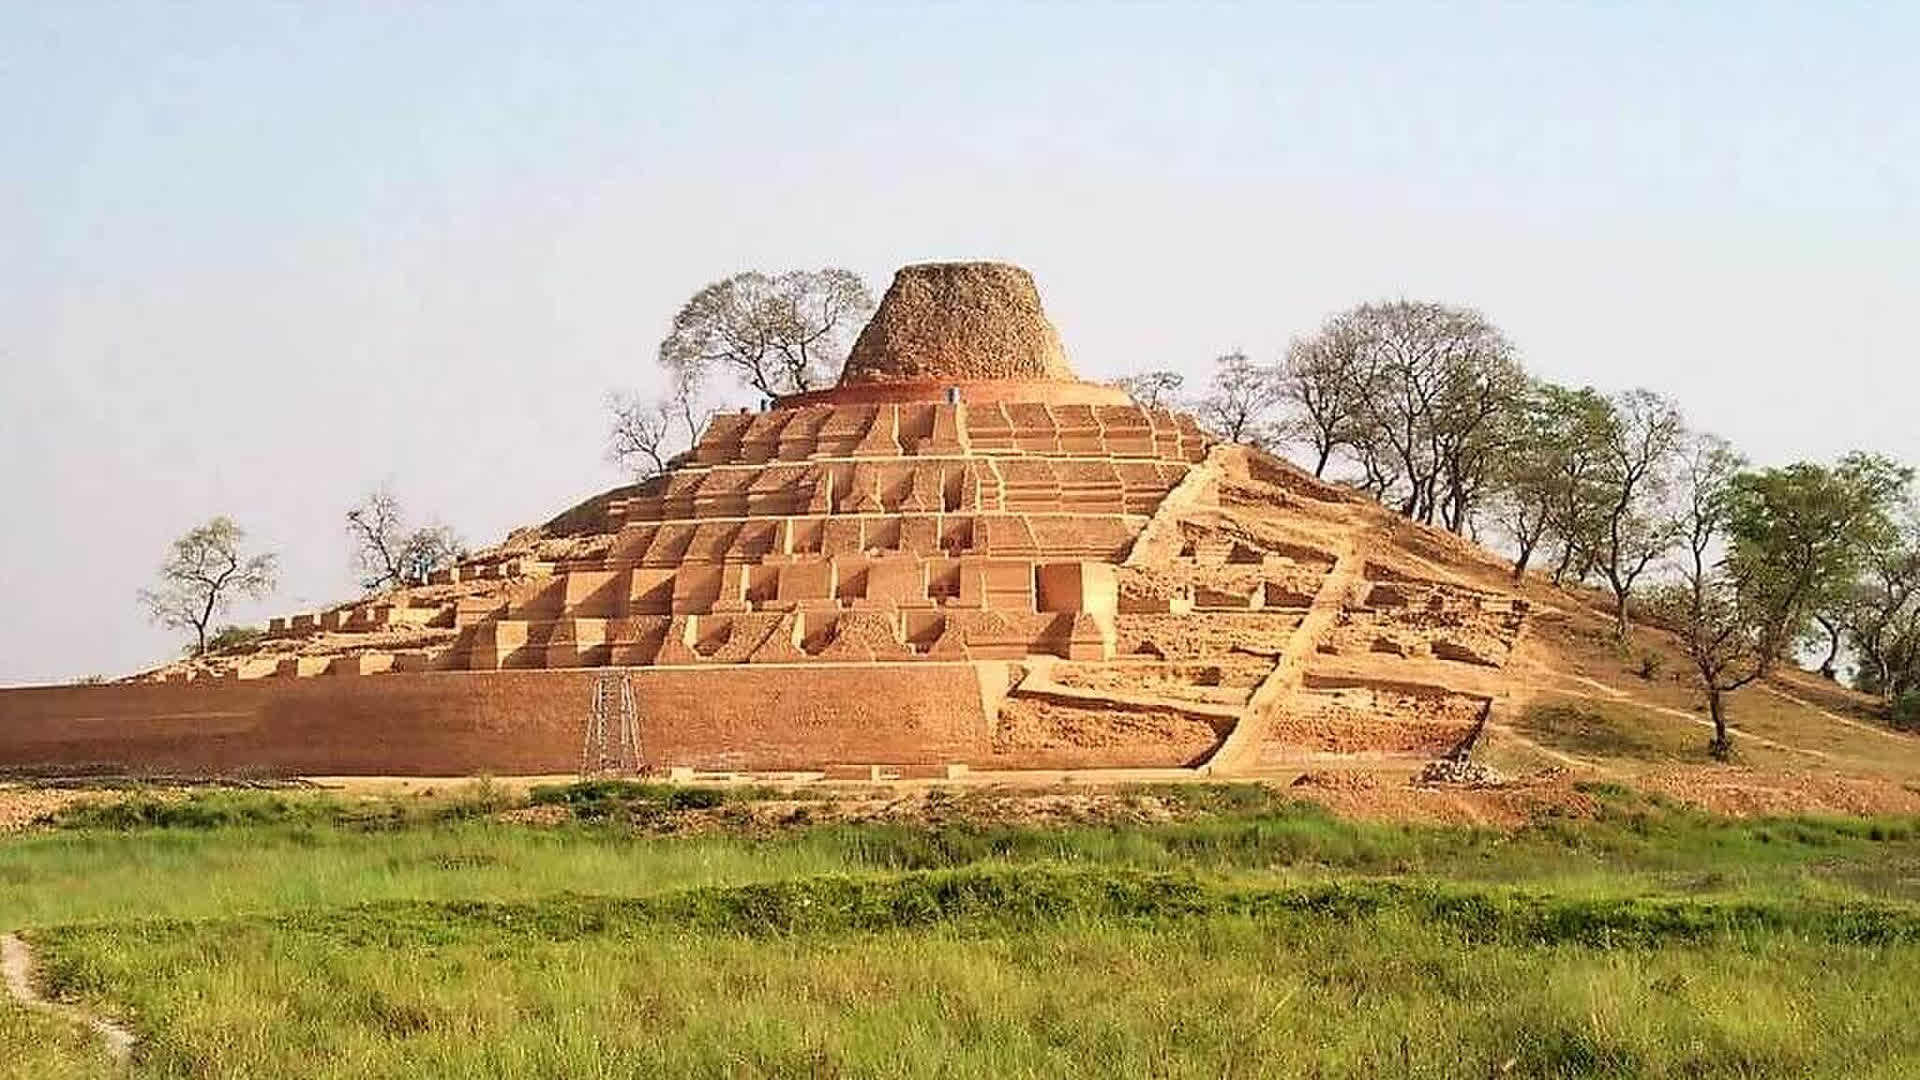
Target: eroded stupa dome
point(957, 322)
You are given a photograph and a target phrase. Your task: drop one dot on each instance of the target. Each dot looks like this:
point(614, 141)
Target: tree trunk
point(1620, 627)
point(1722, 747)
point(1320, 467)
point(1520, 564)
point(1566, 562)
point(1828, 667)
point(200, 627)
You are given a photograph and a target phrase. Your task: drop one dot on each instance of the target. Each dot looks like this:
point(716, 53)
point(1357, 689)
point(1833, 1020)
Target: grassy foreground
point(251, 935)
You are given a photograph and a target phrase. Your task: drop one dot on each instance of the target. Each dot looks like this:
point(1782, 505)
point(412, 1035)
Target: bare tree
point(387, 553)
point(1154, 389)
point(779, 335)
point(1484, 384)
point(1413, 390)
point(1724, 609)
point(1709, 469)
point(1727, 628)
point(1239, 400)
point(1319, 392)
point(1642, 443)
point(646, 435)
point(1378, 476)
point(204, 571)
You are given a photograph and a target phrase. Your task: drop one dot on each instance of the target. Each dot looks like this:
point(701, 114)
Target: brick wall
point(505, 722)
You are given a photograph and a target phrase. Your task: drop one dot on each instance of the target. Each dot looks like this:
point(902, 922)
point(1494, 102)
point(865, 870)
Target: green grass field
point(292, 935)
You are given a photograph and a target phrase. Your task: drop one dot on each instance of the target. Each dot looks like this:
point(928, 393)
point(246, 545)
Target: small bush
point(638, 800)
point(222, 809)
point(200, 810)
point(1233, 800)
point(476, 798)
point(1905, 715)
point(1651, 664)
point(233, 637)
point(695, 798)
point(1603, 789)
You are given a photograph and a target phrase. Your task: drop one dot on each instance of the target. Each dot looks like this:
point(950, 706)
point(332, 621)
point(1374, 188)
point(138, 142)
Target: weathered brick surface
point(958, 321)
point(507, 722)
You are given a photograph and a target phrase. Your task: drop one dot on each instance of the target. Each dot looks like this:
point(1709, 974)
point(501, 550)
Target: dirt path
point(1645, 706)
point(16, 969)
point(1896, 736)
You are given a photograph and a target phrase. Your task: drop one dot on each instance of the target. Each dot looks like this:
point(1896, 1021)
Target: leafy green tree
point(1883, 619)
point(1817, 528)
point(204, 571)
point(1471, 439)
point(1542, 479)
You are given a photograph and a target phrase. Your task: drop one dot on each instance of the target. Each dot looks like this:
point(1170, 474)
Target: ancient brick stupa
point(961, 556)
point(962, 324)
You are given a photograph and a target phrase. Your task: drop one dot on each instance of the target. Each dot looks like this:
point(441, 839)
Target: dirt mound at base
point(1337, 781)
point(20, 807)
point(1367, 797)
point(1742, 792)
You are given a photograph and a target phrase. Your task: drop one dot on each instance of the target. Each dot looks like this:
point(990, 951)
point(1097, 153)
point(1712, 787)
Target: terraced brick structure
point(960, 556)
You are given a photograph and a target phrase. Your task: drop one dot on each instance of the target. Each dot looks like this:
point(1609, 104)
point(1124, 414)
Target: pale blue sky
point(259, 258)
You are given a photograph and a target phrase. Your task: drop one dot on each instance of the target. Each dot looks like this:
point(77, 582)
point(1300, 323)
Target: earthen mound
point(958, 322)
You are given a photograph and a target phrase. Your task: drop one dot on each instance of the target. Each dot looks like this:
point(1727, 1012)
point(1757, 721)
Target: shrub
point(1243, 799)
point(1651, 664)
point(222, 809)
point(233, 637)
point(695, 798)
point(1905, 714)
point(476, 798)
point(638, 800)
point(200, 810)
